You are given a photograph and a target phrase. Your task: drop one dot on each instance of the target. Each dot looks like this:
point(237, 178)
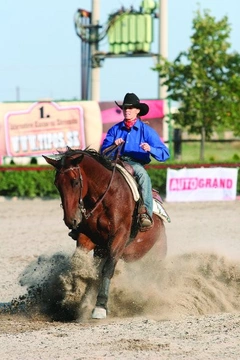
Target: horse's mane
point(70, 153)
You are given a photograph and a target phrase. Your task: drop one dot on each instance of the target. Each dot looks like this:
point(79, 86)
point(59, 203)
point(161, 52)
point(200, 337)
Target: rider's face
point(130, 112)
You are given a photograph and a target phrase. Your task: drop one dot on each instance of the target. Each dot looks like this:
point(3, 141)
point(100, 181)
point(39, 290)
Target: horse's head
point(69, 182)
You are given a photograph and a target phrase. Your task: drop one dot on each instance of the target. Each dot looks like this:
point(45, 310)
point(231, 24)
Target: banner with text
point(203, 184)
point(42, 128)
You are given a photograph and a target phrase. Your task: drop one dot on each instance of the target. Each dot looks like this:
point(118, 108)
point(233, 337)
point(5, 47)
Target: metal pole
point(17, 93)
point(170, 128)
point(95, 71)
point(163, 51)
point(163, 41)
point(85, 64)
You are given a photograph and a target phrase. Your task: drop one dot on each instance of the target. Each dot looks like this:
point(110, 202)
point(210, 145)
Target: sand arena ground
point(185, 307)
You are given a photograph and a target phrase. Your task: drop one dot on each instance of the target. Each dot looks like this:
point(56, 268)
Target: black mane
point(89, 152)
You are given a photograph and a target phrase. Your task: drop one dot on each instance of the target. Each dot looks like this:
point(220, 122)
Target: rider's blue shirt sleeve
point(158, 149)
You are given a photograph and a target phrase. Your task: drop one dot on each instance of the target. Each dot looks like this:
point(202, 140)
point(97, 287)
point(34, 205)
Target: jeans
point(144, 183)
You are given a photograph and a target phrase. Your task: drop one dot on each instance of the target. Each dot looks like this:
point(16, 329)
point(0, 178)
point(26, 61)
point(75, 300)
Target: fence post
point(177, 140)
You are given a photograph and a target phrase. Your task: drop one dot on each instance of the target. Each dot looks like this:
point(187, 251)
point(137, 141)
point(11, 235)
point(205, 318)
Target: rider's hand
point(118, 141)
point(145, 146)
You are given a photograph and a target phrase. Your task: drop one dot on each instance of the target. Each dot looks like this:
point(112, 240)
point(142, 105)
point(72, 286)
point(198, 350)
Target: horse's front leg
point(109, 260)
point(85, 243)
point(100, 310)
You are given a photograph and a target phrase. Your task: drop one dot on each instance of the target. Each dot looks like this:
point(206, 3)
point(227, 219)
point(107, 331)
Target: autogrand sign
point(43, 128)
point(202, 184)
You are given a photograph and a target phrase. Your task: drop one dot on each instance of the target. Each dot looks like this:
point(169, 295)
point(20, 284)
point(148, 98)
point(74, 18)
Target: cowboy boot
point(145, 221)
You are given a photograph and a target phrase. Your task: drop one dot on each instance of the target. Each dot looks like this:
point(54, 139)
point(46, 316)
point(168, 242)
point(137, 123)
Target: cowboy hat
point(130, 99)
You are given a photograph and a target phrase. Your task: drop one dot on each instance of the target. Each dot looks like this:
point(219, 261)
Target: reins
point(81, 204)
point(110, 150)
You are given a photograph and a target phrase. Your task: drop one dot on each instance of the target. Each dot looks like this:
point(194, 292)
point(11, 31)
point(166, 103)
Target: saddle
point(130, 170)
point(126, 166)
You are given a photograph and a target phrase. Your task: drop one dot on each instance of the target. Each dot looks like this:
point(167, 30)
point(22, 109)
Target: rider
point(139, 142)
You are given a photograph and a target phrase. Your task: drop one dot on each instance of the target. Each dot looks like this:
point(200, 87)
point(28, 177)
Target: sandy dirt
point(185, 307)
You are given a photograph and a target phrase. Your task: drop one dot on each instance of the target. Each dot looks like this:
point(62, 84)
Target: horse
point(97, 202)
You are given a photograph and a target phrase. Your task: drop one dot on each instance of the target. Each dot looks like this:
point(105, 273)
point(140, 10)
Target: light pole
point(95, 70)
point(163, 51)
point(163, 41)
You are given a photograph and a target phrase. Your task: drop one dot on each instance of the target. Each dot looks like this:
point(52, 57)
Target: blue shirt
point(138, 134)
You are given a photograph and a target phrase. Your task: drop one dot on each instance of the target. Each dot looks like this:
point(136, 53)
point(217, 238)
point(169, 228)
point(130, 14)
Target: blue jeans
point(144, 183)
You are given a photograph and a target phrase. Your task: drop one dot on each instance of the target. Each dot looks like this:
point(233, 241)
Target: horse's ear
point(52, 162)
point(77, 160)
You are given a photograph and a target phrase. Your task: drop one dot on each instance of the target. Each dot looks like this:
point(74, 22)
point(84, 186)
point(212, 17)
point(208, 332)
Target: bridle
point(87, 213)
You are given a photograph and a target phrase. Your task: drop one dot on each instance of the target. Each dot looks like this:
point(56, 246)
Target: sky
point(40, 51)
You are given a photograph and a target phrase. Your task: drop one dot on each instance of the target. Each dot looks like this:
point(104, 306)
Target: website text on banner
point(203, 184)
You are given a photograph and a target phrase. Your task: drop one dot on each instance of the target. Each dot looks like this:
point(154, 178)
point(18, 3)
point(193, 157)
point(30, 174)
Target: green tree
point(205, 80)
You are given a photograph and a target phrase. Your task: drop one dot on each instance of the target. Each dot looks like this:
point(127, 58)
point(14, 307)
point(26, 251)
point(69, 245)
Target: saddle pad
point(131, 182)
point(160, 211)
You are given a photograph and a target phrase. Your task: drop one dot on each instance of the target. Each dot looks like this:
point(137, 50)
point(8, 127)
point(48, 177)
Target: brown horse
point(98, 202)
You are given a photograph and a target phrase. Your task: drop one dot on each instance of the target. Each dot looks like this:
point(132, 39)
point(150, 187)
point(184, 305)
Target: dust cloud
point(63, 288)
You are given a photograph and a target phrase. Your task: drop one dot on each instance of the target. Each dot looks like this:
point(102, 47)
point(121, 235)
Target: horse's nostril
point(74, 224)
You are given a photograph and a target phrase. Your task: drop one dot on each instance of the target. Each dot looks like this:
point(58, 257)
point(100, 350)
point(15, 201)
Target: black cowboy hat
point(130, 99)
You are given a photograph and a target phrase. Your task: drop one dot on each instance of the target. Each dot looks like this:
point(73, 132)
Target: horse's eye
point(75, 182)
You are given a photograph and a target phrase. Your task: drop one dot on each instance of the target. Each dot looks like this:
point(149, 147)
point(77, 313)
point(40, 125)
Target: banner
point(42, 128)
point(203, 184)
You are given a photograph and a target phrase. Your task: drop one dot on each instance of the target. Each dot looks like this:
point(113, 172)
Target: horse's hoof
point(99, 313)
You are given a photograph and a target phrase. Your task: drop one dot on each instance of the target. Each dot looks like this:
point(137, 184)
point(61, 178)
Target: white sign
point(42, 128)
point(203, 184)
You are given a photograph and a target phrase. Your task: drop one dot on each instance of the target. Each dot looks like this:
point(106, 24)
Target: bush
point(159, 179)
point(28, 183)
